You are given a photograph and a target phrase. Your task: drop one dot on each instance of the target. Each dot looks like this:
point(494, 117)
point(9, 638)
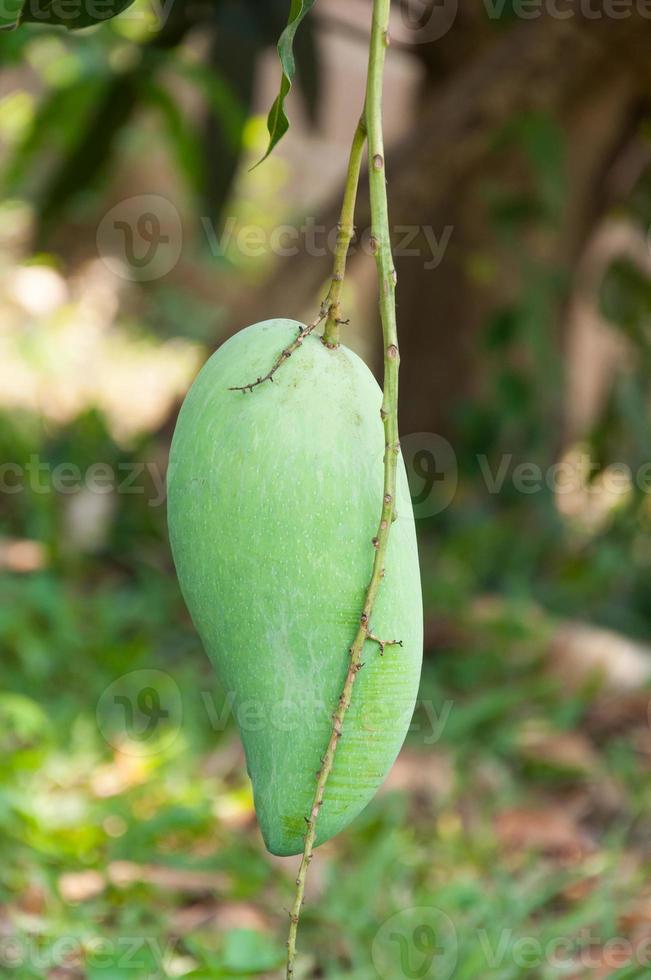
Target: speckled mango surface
point(273, 501)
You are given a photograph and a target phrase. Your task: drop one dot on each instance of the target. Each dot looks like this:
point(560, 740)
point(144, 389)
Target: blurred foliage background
point(134, 239)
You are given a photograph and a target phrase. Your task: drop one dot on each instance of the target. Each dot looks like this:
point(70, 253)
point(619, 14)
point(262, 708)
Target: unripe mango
point(274, 499)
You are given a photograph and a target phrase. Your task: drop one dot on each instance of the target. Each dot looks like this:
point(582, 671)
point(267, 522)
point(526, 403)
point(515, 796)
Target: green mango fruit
point(274, 499)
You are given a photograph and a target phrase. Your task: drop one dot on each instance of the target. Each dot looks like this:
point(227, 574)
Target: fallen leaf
point(568, 752)
point(111, 779)
point(580, 654)
point(603, 962)
point(220, 915)
point(32, 900)
point(613, 713)
point(224, 761)
point(641, 741)
point(551, 830)
point(637, 915)
point(123, 873)
point(22, 555)
point(428, 773)
point(80, 886)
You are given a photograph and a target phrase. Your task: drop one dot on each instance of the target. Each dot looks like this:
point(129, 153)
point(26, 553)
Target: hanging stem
point(381, 244)
point(330, 310)
point(345, 232)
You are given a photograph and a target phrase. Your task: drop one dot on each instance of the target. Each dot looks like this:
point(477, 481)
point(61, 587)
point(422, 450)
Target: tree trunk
point(587, 77)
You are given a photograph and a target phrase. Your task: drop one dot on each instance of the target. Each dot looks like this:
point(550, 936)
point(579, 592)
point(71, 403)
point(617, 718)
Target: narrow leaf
point(277, 121)
point(10, 13)
point(183, 139)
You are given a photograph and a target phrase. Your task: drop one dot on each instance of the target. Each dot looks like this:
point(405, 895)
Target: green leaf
point(73, 14)
point(59, 118)
point(247, 951)
point(219, 95)
point(277, 121)
point(10, 13)
point(237, 44)
point(182, 137)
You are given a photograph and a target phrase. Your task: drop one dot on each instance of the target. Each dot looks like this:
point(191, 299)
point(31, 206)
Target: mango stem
point(345, 232)
point(286, 352)
point(389, 413)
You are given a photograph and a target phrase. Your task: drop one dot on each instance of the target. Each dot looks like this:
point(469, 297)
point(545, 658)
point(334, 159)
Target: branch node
point(383, 643)
point(286, 353)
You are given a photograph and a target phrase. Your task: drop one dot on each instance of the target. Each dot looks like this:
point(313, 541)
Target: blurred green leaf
point(541, 139)
point(182, 135)
point(219, 95)
point(237, 43)
point(247, 952)
point(21, 719)
point(55, 127)
point(73, 14)
point(10, 13)
point(626, 302)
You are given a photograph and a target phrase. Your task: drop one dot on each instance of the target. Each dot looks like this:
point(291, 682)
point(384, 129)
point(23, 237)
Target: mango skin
point(273, 501)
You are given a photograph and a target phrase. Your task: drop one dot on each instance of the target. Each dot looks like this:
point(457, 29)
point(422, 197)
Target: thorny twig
point(287, 352)
point(389, 414)
point(330, 310)
point(371, 123)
